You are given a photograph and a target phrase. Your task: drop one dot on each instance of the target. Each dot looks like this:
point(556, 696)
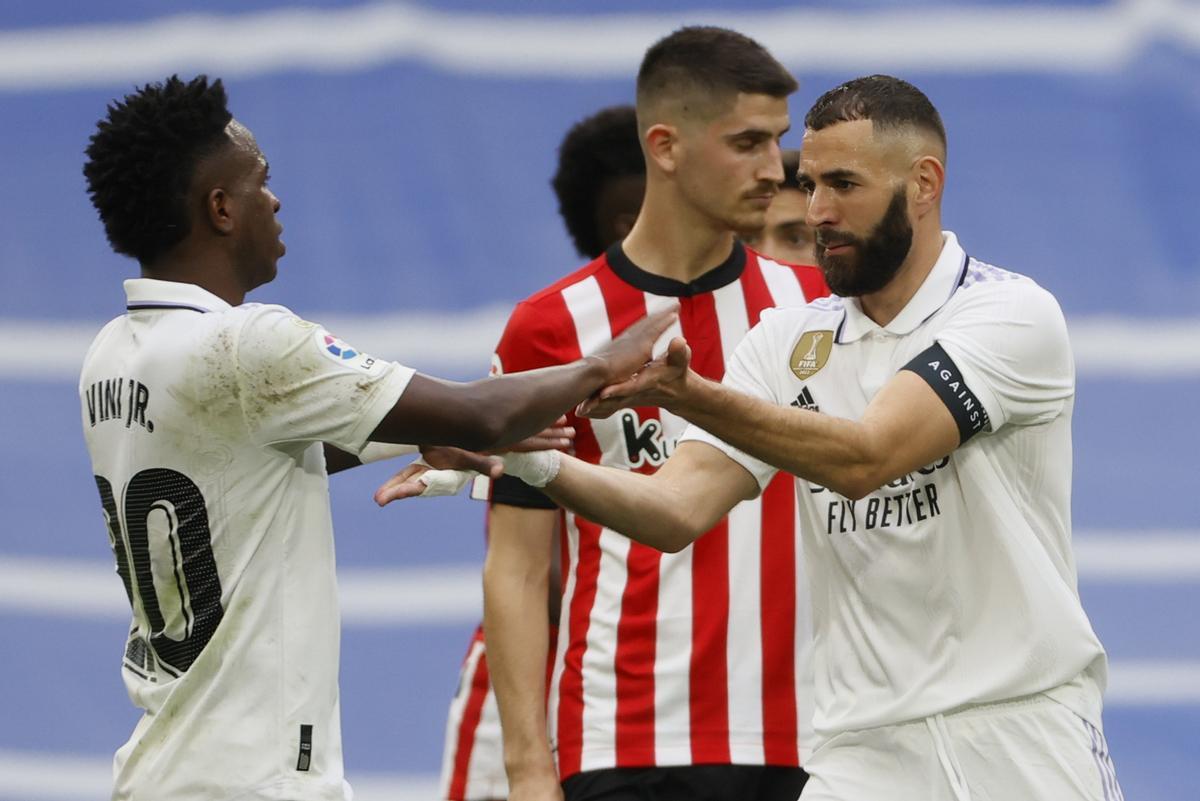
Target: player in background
point(926, 411)
point(678, 676)
point(786, 236)
point(599, 183)
point(207, 421)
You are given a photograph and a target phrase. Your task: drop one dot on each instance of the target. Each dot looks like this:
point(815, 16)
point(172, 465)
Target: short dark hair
point(888, 102)
point(597, 149)
point(715, 61)
point(141, 159)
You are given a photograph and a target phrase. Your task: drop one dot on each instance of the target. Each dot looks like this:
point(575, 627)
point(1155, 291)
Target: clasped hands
point(445, 470)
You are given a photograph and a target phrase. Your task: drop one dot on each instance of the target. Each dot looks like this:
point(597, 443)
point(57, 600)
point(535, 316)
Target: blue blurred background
point(412, 146)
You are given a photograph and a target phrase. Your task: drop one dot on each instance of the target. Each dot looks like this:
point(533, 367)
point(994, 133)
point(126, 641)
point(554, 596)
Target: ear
point(218, 209)
point(662, 144)
point(928, 178)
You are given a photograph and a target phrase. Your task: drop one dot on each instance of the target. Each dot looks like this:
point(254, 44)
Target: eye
point(841, 184)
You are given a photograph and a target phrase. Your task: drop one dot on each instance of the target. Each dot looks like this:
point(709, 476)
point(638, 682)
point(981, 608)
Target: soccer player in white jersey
point(208, 421)
point(926, 412)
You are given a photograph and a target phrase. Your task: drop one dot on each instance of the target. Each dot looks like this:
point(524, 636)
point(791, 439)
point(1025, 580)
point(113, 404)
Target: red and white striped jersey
point(672, 659)
point(472, 758)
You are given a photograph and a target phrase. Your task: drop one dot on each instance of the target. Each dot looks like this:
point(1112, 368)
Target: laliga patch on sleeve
point(341, 352)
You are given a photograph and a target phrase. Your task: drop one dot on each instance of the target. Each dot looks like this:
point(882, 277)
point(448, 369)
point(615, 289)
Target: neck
point(209, 271)
point(883, 306)
point(672, 239)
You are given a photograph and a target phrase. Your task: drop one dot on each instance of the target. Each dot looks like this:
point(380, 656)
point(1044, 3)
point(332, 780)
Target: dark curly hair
point(598, 149)
point(141, 159)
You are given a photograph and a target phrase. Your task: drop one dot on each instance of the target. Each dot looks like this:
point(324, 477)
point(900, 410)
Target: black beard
point(873, 261)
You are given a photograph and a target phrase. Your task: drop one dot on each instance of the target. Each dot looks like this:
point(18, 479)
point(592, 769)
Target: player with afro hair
point(142, 157)
point(600, 179)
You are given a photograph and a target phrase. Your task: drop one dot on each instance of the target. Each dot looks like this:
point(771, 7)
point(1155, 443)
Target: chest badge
point(811, 353)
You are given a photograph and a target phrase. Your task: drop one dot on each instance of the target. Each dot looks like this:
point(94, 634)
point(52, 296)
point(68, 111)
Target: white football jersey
point(955, 584)
point(204, 423)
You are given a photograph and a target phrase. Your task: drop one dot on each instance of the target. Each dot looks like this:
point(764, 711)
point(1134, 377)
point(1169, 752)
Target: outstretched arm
point(668, 510)
point(905, 426)
point(494, 412)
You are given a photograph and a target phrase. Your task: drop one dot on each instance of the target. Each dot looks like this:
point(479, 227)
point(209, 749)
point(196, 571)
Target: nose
point(275, 204)
point(821, 207)
point(771, 168)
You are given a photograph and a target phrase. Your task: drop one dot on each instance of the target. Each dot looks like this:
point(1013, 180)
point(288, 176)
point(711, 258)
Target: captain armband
point(939, 371)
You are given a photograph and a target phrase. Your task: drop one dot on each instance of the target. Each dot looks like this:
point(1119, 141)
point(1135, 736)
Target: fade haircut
point(711, 63)
point(141, 159)
point(889, 103)
point(597, 149)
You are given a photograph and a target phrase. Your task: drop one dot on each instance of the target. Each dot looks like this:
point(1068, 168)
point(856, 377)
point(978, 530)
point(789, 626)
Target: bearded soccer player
point(926, 412)
point(208, 420)
point(599, 183)
point(685, 675)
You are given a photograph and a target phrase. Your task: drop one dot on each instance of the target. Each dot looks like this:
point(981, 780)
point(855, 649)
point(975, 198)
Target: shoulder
point(1010, 295)
point(551, 294)
point(261, 330)
point(810, 277)
point(540, 331)
point(820, 314)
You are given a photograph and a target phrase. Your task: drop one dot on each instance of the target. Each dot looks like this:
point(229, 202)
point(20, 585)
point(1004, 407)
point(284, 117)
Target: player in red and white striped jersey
point(675, 675)
point(599, 183)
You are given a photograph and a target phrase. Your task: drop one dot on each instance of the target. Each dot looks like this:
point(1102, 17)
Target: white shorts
point(473, 758)
point(1032, 749)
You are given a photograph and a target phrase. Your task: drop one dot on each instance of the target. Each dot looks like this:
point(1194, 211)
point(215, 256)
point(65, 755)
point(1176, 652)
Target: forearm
point(652, 510)
point(519, 405)
point(833, 452)
point(516, 631)
point(490, 413)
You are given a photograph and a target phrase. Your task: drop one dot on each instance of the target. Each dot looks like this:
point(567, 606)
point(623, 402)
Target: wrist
point(595, 368)
point(531, 764)
point(536, 468)
point(681, 396)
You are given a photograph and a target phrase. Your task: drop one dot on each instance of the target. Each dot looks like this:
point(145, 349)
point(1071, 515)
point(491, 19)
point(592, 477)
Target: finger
point(446, 458)
point(679, 353)
point(622, 390)
point(601, 410)
point(540, 443)
point(445, 482)
point(398, 490)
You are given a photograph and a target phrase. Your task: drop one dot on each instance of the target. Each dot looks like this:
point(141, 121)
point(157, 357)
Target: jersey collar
point(724, 273)
point(943, 280)
point(151, 293)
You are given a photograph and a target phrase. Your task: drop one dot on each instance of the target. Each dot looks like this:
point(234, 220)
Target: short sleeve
point(1009, 341)
point(299, 383)
point(530, 341)
point(748, 372)
point(533, 338)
